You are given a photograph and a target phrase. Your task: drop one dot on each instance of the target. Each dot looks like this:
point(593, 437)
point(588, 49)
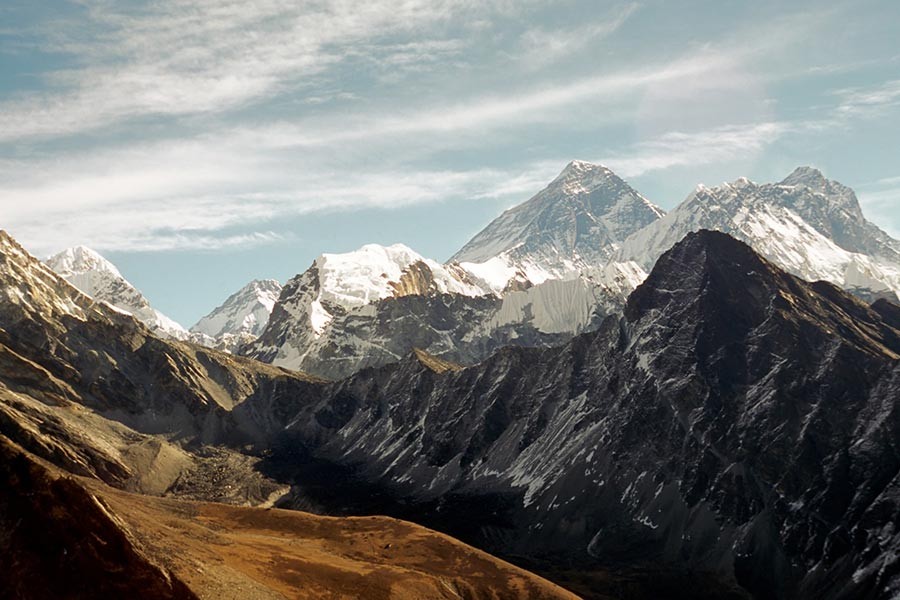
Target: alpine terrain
point(731, 433)
point(536, 276)
point(555, 265)
point(98, 415)
point(241, 318)
point(101, 280)
point(807, 224)
point(736, 422)
point(573, 225)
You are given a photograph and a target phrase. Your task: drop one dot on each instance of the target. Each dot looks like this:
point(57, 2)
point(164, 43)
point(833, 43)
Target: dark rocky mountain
point(736, 421)
point(733, 433)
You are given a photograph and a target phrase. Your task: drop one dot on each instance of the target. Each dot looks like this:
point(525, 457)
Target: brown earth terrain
point(98, 541)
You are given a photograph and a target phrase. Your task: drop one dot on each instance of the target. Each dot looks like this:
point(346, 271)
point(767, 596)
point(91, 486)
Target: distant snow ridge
point(376, 304)
point(537, 275)
point(88, 271)
point(574, 224)
point(375, 272)
point(240, 319)
point(807, 224)
point(245, 312)
point(348, 286)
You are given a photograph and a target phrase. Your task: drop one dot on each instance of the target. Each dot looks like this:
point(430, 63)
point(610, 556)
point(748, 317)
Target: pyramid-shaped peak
point(263, 285)
point(578, 170)
point(702, 259)
point(808, 176)
point(80, 259)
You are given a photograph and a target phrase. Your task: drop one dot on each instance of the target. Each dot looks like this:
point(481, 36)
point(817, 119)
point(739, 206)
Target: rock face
point(574, 224)
point(88, 387)
point(807, 224)
point(241, 318)
point(736, 421)
point(374, 306)
point(553, 266)
point(99, 279)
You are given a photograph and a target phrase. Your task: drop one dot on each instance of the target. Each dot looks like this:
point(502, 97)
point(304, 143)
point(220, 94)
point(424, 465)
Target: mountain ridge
point(812, 226)
point(88, 271)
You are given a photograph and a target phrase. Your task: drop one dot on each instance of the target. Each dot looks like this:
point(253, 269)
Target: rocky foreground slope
point(71, 537)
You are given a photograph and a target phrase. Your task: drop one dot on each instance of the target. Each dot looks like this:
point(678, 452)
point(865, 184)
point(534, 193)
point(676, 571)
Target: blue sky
point(201, 144)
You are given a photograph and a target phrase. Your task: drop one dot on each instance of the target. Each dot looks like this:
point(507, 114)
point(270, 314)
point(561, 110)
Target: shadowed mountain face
point(737, 426)
point(735, 421)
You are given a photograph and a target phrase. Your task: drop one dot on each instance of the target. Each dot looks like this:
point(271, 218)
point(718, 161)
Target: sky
point(199, 144)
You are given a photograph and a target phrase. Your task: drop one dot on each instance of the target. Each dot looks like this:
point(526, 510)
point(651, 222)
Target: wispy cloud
point(180, 58)
point(880, 201)
point(706, 147)
point(883, 207)
point(223, 172)
point(147, 200)
point(546, 103)
point(539, 46)
point(868, 101)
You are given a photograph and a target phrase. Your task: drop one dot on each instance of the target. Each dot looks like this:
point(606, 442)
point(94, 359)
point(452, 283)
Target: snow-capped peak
point(807, 224)
point(245, 313)
point(579, 177)
point(808, 176)
point(374, 272)
point(88, 271)
point(79, 260)
point(573, 224)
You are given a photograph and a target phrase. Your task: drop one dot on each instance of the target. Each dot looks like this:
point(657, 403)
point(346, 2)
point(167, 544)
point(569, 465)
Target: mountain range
point(807, 224)
point(540, 273)
point(556, 265)
point(730, 433)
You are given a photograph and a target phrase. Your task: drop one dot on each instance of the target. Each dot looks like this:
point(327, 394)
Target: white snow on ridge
point(494, 274)
point(88, 271)
point(364, 276)
point(783, 237)
point(82, 267)
point(244, 313)
point(574, 224)
point(768, 218)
